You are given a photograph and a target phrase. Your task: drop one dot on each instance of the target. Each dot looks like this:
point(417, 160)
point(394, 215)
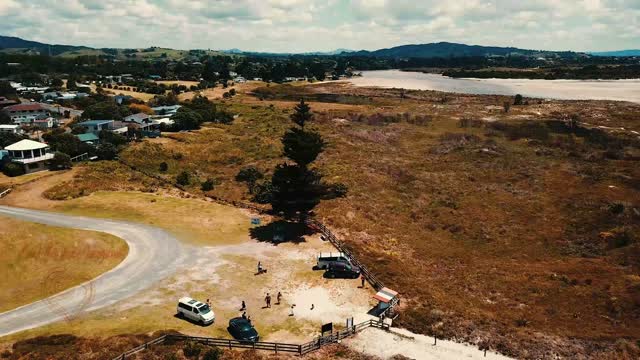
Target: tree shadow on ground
point(281, 231)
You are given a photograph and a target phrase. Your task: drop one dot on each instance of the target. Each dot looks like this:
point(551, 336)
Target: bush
point(13, 169)
point(339, 190)
point(192, 349)
point(106, 151)
point(207, 185)
point(213, 354)
point(249, 174)
point(60, 161)
point(517, 100)
point(164, 167)
point(184, 178)
point(263, 193)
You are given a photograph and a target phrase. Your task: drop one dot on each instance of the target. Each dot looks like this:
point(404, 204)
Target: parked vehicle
point(196, 311)
point(342, 270)
point(241, 329)
point(325, 260)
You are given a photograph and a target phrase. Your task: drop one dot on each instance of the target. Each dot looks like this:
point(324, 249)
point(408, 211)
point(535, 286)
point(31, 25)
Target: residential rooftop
point(26, 145)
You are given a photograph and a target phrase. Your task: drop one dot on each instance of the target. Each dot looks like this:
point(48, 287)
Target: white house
point(13, 129)
point(45, 123)
point(140, 120)
point(33, 155)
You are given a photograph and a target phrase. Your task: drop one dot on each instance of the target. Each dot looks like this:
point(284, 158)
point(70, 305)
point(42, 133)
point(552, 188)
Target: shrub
point(164, 167)
point(213, 354)
point(192, 349)
point(184, 178)
point(249, 174)
point(339, 190)
point(506, 106)
point(106, 151)
point(13, 169)
point(263, 193)
point(517, 100)
point(619, 237)
point(207, 185)
point(60, 161)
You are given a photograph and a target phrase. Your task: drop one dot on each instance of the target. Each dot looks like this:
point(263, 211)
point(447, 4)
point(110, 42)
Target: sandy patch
point(387, 344)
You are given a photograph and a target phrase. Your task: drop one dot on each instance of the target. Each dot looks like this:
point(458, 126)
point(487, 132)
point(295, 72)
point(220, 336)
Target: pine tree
point(295, 188)
point(302, 114)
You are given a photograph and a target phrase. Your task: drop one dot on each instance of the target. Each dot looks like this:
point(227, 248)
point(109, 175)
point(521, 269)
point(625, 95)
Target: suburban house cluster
point(140, 124)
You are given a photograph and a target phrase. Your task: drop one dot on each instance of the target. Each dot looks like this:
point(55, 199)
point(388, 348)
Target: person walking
point(362, 279)
point(259, 267)
point(268, 300)
point(279, 298)
point(244, 315)
point(291, 311)
point(244, 306)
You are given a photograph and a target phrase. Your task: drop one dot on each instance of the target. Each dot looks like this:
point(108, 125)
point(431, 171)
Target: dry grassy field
point(495, 227)
point(37, 261)
point(519, 235)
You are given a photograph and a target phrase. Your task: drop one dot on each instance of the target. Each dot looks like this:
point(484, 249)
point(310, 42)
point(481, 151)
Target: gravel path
point(153, 255)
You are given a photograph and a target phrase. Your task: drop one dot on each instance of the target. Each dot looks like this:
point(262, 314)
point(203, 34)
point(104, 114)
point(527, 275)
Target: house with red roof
point(26, 113)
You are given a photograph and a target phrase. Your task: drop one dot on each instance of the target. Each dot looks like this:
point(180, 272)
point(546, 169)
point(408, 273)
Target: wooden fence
point(300, 349)
point(80, 157)
point(5, 193)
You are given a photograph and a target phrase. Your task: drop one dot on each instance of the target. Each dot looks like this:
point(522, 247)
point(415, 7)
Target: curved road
point(153, 255)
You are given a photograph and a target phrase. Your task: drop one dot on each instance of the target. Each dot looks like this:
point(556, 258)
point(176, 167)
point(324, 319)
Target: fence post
point(229, 344)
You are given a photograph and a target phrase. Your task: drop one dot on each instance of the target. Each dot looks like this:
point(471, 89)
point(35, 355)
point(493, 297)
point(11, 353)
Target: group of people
point(267, 299)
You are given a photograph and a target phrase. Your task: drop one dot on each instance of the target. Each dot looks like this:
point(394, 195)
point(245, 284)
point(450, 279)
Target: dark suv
point(241, 329)
point(342, 270)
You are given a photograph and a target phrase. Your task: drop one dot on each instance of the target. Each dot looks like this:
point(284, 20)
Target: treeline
point(277, 68)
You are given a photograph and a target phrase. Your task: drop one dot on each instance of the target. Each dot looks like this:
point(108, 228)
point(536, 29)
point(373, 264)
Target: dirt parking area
point(224, 271)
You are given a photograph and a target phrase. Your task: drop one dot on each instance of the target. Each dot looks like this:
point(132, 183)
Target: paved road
point(153, 255)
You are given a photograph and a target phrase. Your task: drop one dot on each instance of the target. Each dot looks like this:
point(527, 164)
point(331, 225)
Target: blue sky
point(315, 25)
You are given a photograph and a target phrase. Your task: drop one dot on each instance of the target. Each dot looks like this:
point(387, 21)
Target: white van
point(195, 311)
point(325, 260)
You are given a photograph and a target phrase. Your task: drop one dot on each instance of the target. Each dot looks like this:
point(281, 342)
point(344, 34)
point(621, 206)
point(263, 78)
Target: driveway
point(153, 255)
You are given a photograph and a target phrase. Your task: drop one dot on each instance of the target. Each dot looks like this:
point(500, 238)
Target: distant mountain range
point(447, 49)
point(10, 44)
point(18, 45)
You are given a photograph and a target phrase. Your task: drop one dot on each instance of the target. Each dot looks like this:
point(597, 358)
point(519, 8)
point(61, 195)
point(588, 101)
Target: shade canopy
point(385, 295)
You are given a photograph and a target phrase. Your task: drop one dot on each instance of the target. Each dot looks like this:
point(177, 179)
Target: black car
point(342, 270)
point(241, 329)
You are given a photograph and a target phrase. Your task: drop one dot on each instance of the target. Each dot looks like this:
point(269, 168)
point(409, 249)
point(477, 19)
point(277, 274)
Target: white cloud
point(305, 25)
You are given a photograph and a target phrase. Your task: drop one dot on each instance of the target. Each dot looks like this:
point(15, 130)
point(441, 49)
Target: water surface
point(623, 90)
